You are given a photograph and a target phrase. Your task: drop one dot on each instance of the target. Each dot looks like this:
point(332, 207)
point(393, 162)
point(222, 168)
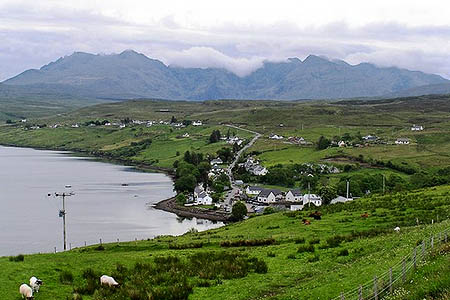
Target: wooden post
point(55, 249)
point(375, 288)
point(101, 242)
point(85, 244)
point(414, 258)
point(360, 297)
point(404, 271)
point(342, 296)
point(390, 280)
point(423, 250)
point(117, 242)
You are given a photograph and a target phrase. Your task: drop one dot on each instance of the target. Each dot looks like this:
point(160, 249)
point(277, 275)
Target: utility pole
point(348, 188)
point(62, 213)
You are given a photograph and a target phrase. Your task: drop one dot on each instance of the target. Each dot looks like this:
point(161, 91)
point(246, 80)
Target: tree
point(185, 183)
point(327, 193)
point(180, 199)
point(173, 120)
point(225, 154)
point(239, 211)
point(215, 136)
point(323, 143)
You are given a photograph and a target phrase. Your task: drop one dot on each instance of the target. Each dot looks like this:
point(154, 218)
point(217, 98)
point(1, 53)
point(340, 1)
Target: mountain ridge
point(133, 75)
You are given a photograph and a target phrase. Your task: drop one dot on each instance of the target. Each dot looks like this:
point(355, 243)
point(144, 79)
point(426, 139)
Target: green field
point(291, 274)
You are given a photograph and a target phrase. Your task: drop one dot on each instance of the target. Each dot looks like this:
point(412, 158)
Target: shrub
point(335, 241)
point(271, 254)
point(292, 256)
point(99, 248)
point(66, 277)
point(314, 241)
point(248, 243)
point(17, 258)
point(306, 248)
point(313, 258)
point(343, 252)
point(299, 240)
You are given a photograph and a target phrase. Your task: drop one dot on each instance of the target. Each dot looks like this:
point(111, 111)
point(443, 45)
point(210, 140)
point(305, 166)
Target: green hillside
point(317, 261)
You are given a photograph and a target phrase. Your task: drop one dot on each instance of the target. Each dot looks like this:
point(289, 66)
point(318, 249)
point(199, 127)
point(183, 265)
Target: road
point(234, 189)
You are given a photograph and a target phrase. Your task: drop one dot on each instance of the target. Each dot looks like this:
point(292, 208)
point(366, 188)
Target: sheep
point(108, 280)
point(397, 229)
point(35, 284)
point(365, 215)
point(26, 292)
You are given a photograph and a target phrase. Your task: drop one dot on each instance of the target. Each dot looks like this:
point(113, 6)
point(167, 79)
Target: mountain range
point(133, 75)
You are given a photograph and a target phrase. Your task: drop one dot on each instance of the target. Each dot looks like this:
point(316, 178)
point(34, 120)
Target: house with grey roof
point(270, 196)
point(294, 195)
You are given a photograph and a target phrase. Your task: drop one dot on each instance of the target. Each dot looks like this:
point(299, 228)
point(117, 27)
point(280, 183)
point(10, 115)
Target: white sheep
point(397, 229)
point(108, 280)
point(26, 292)
point(35, 284)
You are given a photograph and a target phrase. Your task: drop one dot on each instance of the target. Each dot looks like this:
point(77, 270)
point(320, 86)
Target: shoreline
point(170, 205)
point(167, 205)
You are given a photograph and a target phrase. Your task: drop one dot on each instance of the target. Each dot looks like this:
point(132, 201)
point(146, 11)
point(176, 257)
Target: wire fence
point(384, 284)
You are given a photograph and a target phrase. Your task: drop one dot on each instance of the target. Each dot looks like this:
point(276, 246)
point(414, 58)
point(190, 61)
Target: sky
point(236, 35)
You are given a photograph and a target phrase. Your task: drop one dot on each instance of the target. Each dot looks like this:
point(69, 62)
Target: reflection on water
point(110, 202)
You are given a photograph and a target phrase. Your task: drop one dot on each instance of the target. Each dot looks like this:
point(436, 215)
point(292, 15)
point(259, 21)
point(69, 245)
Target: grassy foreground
point(334, 254)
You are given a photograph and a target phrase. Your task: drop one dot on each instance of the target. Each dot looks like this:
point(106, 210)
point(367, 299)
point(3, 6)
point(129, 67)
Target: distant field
point(388, 119)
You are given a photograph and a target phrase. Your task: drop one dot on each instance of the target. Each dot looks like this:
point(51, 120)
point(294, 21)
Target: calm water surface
point(102, 207)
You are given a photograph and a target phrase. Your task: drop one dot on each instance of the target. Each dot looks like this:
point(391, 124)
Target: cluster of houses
point(272, 196)
point(298, 141)
point(233, 140)
point(253, 166)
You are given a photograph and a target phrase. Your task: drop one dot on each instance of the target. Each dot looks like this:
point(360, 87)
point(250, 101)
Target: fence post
point(360, 293)
point(117, 242)
point(375, 288)
point(342, 296)
point(414, 257)
point(85, 243)
point(101, 242)
point(404, 271)
point(423, 250)
point(390, 280)
point(55, 249)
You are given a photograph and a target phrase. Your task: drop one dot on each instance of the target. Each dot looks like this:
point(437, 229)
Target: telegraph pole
point(62, 213)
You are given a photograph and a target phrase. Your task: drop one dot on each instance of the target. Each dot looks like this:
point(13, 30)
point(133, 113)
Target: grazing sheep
point(35, 284)
point(108, 280)
point(306, 222)
point(26, 292)
point(365, 215)
point(397, 229)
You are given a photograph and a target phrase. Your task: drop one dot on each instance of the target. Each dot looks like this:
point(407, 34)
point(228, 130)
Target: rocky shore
point(170, 205)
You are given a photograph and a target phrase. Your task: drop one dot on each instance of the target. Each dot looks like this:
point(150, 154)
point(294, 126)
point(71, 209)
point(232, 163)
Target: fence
point(384, 284)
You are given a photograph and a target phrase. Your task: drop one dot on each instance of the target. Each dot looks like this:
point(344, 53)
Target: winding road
point(234, 188)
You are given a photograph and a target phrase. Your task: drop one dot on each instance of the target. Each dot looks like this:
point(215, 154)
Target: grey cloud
point(35, 36)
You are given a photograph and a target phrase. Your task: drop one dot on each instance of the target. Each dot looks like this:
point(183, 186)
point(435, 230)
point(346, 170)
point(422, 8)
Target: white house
point(203, 199)
point(276, 137)
point(313, 199)
point(197, 123)
point(416, 128)
point(216, 161)
point(269, 196)
point(259, 170)
point(295, 207)
point(402, 141)
point(198, 190)
point(369, 138)
point(253, 190)
point(294, 196)
point(340, 199)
